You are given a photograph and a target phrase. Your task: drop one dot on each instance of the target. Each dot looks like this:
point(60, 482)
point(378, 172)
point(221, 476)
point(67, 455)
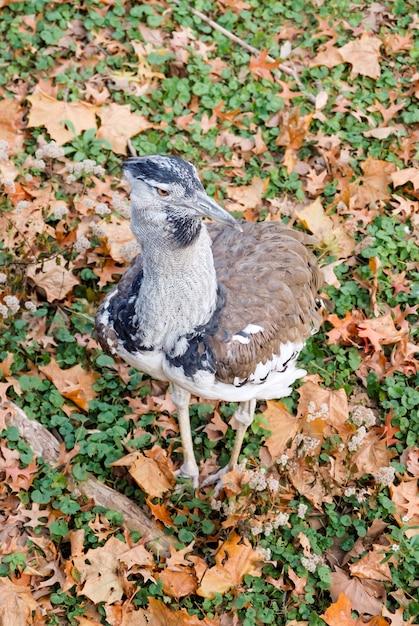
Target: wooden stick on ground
point(45, 445)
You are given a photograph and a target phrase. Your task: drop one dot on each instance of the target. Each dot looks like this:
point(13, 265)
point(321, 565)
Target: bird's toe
point(216, 479)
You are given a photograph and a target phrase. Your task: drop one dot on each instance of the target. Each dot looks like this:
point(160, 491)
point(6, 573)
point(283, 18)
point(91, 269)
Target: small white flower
point(281, 520)
point(49, 150)
point(363, 416)
point(81, 244)
point(255, 528)
point(302, 510)
point(59, 211)
point(30, 306)
point(215, 504)
point(265, 553)
point(3, 277)
point(97, 230)
point(121, 205)
point(385, 475)
point(267, 529)
point(273, 484)
point(4, 150)
point(4, 311)
point(395, 547)
point(350, 491)
point(283, 460)
point(102, 209)
point(357, 439)
point(311, 562)
point(405, 518)
point(12, 303)
point(38, 164)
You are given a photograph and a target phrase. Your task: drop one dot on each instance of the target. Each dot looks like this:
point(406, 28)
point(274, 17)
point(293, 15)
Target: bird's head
point(166, 192)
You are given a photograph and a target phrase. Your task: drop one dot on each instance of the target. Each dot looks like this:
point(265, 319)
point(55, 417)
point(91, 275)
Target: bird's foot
point(189, 470)
point(216, 479)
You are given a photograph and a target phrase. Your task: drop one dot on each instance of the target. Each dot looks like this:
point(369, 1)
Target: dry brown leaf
point(177, 559)
point(178, 584)
point(118, 234)
point(99, 575)
point(153, 473)
point(160, 512)
point(261, 66)
point(298, 582)
point(294, 129)
point(363, 54)
point(329, 233)
point(364, 597)
point(328, 55)
point(406, 500)
point(323, 409)
point(382, 132)
point(381, 331)
point(339, 613)
point(16, 604)
point(234, 559)
point(52, 113)
point(247, 196)
point(10, 115)
point(53, 277)
point(372, 565)
point(73, 383)
point(216, 428)
point(283, 426)
point(118, 124)
point(408, 175)
point(373, 453)
point(373, 185)
point(138, 555)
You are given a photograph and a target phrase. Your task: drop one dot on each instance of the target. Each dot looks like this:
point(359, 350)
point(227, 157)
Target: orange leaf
point(73, 383)
point(363, 54)
point(178, 584)
point(119, 124)
point(283, 426)
point(339, 613)
point(53, 277)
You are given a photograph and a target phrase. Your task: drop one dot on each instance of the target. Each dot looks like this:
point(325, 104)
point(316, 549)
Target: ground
point(314, 126)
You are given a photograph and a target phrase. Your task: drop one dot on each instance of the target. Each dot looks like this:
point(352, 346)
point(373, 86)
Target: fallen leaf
point(294, 129)
point(10, 124)
point(99, 575)
point(52, 113)
point(298, 582)
point(247, 196)
point(323, 409)
point(178, 584)
point(261, 67)
point(74, 383)
point(283, 426)
point(177, 559)
point(328, 55)
point(372, 565)
point(381, 331)
point(160, 512)
point(120, 241)
point(234, 559)
point(53, 277)
point(373, 453)
point(151, 471)
point(16, 604)
point(363, 597)
point(216, 427)
point(118, 124)
point(339, 613)
point(363, 54)
point(406, 500)
point(382, 132)
point(373, 185)
point(409, 175)
point(330, 233)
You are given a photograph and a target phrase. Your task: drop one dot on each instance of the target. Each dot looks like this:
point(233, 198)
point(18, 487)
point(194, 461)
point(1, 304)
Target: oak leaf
point(262, 66)
point(373, 185)
point(363, 54)
point(408, 175)
point(373, 454)
point(364, 597)
point(74, 383)
point(119, 237)
point(381, 331)
point(283, 426)
point(53, 276)
point(16, 604)
point(152, 471)
point(406, 500)
point(372, 565)
point(118, 124)
point(178, 584)
point(98, 568)
point(327, 230)
point(328, 55)
point(323, 409)
point(52, 113)
point(10, 123)
point(234, 559)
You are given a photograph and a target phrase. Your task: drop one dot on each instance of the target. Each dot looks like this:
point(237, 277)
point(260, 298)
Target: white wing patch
point(285, 360)
point(243, 335)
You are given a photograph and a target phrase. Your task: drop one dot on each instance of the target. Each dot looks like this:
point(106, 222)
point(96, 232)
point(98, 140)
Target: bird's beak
point(208, 207)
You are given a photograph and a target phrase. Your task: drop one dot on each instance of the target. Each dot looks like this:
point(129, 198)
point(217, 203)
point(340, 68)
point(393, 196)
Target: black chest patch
point(199, 355)
point(122, 316)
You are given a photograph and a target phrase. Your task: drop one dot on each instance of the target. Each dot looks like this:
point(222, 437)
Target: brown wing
point(271, 279)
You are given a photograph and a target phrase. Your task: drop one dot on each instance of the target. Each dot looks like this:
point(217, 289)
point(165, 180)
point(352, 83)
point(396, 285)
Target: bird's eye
point(162, 192)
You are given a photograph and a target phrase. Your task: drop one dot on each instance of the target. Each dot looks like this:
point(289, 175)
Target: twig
point(45, 445)
point(290, 71)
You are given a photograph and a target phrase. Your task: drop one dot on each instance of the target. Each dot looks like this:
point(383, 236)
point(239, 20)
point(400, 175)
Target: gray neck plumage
point(178, 292)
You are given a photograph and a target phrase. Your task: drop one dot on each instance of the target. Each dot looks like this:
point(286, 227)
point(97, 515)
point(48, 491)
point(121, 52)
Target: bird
point(220, 310)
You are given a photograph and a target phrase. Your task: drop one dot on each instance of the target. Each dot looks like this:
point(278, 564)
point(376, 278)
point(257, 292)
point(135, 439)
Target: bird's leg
point(244, 416)
point(189, 468)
